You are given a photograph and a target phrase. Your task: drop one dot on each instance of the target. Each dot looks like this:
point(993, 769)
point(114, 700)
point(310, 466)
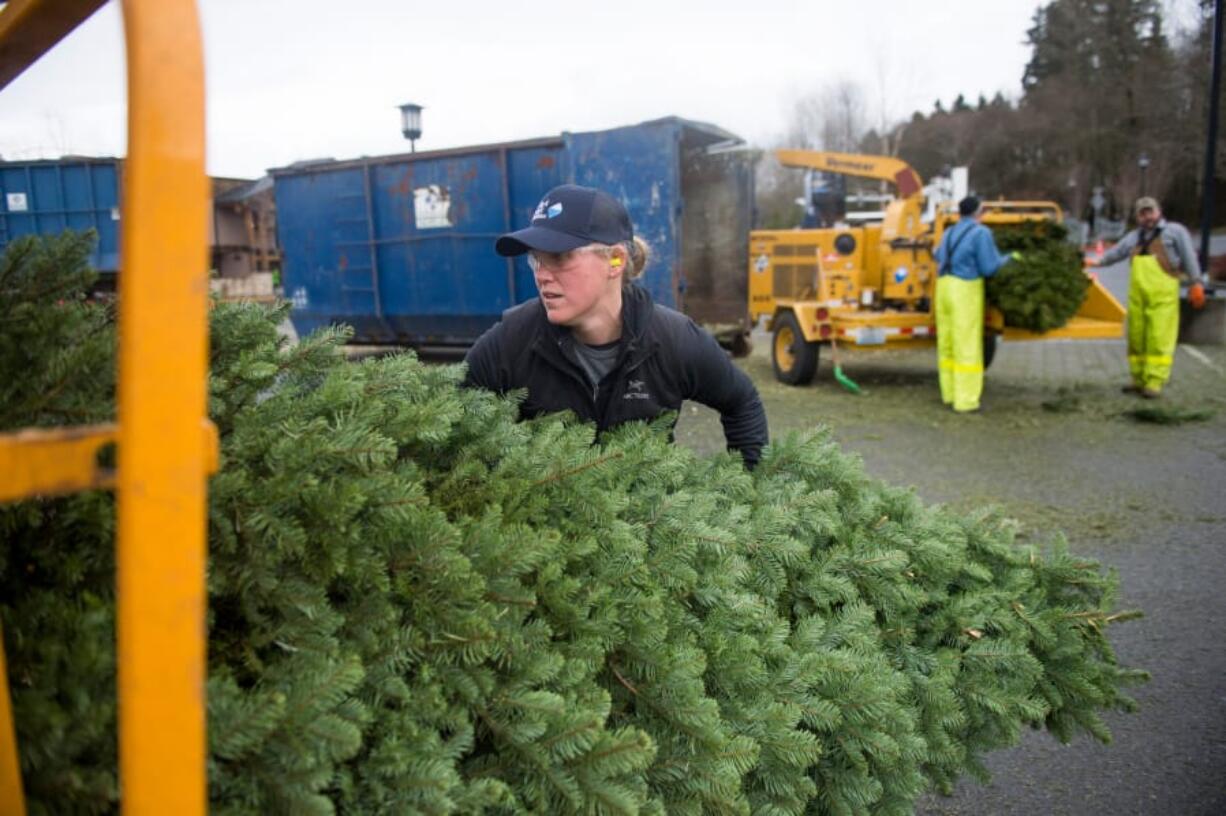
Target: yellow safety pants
point(960, 341)
point(1153, 323)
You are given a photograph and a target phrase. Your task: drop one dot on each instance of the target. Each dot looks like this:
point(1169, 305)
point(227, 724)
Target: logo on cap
point(547, 210)
point(569, 217)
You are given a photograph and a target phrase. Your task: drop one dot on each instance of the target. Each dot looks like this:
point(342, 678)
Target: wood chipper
point(873, 284)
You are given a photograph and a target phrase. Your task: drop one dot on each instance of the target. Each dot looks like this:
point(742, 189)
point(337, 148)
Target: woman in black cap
point(594, 343)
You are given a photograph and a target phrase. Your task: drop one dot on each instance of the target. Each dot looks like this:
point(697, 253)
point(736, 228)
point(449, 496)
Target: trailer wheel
point(989, 349)
point(793, 357)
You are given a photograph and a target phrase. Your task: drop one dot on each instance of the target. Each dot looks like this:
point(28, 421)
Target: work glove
point(1196, 295)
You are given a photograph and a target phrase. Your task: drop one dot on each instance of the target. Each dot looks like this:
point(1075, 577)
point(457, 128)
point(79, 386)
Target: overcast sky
point(295, 79)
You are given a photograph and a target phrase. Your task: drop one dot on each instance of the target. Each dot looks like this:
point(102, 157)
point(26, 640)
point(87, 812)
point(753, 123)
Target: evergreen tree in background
point(1102, 79)
point(1106, 80)
point(418, 604)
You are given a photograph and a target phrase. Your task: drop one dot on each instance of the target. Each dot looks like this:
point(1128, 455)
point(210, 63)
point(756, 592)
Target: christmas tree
point(1045, 286)
point(418, 604)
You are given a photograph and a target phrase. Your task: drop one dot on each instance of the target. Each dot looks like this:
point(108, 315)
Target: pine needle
point(1169, 415)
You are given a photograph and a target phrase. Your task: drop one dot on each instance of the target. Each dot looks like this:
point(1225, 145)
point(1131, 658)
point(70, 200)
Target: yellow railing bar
point(29, 28)
point(55, 461)
point(163, 367)
point(12, 802)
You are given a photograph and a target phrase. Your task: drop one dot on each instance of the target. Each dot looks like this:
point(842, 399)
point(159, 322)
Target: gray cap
point(1146, 203)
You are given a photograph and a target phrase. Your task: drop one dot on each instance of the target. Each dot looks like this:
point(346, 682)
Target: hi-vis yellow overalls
point(960, 341)
point(1153, 314)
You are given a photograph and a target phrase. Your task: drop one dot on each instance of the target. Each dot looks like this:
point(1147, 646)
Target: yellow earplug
point(615, 262)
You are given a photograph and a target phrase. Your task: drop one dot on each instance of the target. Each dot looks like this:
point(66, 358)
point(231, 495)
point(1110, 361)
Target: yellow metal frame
point(1013, 212)
point(163, 458)
point(1100, 317)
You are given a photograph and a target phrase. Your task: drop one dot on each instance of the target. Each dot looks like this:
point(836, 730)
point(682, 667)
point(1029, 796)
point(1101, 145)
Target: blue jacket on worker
point(974, 252)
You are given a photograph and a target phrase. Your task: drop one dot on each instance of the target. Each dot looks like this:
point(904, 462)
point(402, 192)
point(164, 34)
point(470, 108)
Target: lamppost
point(410, 124)
point(1143, 163)
point(1208, 186)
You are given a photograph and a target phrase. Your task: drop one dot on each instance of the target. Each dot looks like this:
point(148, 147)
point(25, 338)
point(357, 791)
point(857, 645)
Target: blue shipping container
point(48, 197)
point(402, 247)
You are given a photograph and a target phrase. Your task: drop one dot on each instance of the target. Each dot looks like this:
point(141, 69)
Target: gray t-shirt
point(597, 361)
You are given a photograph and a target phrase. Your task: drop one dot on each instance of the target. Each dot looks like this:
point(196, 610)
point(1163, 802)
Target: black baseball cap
point(968, 205)
point(567, 218)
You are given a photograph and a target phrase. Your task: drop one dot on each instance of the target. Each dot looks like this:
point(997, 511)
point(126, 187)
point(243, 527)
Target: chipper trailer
point(873, 284)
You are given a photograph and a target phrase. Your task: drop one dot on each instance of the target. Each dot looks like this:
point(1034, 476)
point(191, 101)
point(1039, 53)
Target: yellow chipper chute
point(165, 446)
point(872, 284)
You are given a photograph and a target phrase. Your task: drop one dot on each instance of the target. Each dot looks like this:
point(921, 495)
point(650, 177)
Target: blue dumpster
point(402, 247)
point(47, 197)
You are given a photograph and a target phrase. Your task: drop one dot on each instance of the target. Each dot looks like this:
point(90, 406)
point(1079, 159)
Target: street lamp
point(1143, 163)
point(410, 124)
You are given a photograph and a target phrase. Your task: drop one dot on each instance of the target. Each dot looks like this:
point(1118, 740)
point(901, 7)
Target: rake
point(842, 379)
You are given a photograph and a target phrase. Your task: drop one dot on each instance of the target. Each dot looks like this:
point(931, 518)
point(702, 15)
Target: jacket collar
point(1148, 234)
point(556, 344)
point(636, 311)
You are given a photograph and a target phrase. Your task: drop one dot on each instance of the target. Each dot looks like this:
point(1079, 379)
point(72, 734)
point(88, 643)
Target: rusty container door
point(689, 189)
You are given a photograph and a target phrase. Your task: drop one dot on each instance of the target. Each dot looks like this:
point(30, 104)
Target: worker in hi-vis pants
point(966, 255)
point(1162, 256)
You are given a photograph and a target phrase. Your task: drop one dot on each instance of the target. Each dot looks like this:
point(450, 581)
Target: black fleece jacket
point(664, 359)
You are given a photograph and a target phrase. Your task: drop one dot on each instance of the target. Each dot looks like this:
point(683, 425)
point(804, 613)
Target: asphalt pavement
point(1149, 501)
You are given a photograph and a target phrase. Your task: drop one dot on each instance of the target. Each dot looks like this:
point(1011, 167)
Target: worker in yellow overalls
point(1162, 256)
point(966, 255)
